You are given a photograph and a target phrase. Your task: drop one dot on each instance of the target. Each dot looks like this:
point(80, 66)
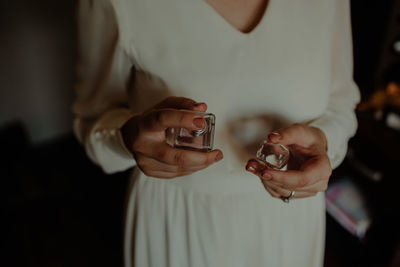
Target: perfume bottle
point(273, 156)
point(200, 140)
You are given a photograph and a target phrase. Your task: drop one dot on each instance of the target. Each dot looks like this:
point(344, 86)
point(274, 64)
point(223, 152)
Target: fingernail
point(251, 169)
point(219, 156)
point(198, 104)
point(199, 122)
point(274, 136)
point(267, 176)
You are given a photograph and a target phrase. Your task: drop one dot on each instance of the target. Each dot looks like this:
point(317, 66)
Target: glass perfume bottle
point(200, 140)
point(273, 156)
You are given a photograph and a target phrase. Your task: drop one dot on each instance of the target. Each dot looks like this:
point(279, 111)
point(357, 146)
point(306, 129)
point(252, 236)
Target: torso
point(194, 51)
point(243, 15)
point(200, 50)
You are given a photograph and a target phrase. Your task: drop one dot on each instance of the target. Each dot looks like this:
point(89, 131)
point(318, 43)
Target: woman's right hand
point(144, 136)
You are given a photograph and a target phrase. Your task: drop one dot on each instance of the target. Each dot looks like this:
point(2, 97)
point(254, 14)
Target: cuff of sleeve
point(107, 146)
point(336, 147)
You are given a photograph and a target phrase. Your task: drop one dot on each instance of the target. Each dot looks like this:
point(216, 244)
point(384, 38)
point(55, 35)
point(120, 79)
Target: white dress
point(295, 65)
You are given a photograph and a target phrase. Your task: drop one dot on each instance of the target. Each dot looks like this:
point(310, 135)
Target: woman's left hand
point(308, 169)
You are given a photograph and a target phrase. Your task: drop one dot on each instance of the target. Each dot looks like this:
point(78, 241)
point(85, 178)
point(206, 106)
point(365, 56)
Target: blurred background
point(62, 211)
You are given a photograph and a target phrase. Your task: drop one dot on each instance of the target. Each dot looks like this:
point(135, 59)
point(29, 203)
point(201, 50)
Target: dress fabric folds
point(294, 67)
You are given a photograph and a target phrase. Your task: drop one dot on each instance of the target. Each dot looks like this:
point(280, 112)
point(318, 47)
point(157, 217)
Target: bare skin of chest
point(243, 15)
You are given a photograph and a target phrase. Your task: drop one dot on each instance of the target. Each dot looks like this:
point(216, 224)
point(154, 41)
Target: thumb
point(296, 134)
point(181, 103)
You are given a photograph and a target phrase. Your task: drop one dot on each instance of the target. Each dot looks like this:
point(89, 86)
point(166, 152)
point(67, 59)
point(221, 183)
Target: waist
point(216, 179)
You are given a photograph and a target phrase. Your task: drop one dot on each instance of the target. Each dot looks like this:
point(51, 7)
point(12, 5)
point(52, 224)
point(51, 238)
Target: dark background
point(62, 211)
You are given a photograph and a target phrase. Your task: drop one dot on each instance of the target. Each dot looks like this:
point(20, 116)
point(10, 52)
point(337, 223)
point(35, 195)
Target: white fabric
point(295, 65)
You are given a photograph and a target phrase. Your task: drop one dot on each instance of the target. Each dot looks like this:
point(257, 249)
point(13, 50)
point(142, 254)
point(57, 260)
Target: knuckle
point(298, 126)
point(144, 124)
point(137, 146)
point(324, 187)
point(170, 98)
point(180, 159)
point(161, 154)
point(160, 117)
point(180, 168)
point(169, 175)
point(303, 181)
point(168, 101)
point(265, 183)
point(181, 118)
point(272, 193)
point(326, 178)
point(140, 130)
point(329, 171)
point(183, 101)
point(326, 173)
point(301, 130)
point(141, 162)
point(209, 159)
point(179, 174)
point(279, 178)
point(146, 171)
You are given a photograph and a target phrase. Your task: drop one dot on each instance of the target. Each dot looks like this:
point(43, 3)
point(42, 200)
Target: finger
point(300, 194)
point(312, 171)
point(320, 186)
point(166, 175)
point(182, 103)
point(184, 158)
point(201, 107)
point(279, 192)
point(290, 180)
point(255, 167)
point(277, 189)
point(296, 134)
point(147, 163)
point(160, 120)
point(272, 192)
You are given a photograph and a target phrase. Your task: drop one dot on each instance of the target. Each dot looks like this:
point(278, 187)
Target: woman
point(288, 59)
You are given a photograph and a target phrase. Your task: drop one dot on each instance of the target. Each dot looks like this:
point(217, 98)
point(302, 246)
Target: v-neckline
point(231, 27)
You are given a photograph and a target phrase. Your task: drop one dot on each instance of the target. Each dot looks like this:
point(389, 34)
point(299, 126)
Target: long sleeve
point(339, 122)
point(103, 70)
